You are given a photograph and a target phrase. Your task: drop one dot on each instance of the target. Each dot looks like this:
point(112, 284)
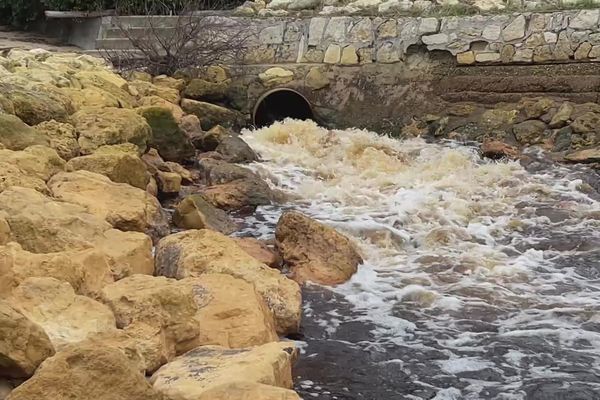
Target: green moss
point(170, 141)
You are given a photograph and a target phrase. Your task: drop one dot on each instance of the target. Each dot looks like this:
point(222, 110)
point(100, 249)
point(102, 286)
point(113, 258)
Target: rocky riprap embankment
point(566, 129)
point(96, 292)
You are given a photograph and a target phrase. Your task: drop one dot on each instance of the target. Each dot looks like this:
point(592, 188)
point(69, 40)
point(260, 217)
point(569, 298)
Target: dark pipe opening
point(281, 104)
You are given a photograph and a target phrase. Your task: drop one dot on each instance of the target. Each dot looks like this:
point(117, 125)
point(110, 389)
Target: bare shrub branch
point(177, 35)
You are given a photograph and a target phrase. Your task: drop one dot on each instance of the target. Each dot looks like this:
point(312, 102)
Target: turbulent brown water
point(481, 278)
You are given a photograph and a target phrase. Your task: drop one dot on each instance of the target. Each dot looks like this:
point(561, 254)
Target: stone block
point(349, 56)
point(515, 29)
point(315, 30)
point(436, 39)
point(583, 51)
point(594, 52)
point(365, 55)
point(507, 53)
point(387, 53)
point(550, 37)
point(332, 54)
point(361, 31)
point(272, 34)
point(313, 56)
point(523, 55)
point(316, 78)
point(336, 29)
point(467, 57)
point(487, 57)
point(388, 29)
point(585, 19)
point(428, 25)
point(542, 53)
point(492, 32)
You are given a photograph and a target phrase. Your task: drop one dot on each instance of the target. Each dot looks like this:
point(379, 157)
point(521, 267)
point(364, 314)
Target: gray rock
point(585, 19)
point(315, 30)
point(272, 34)
point(515, 30)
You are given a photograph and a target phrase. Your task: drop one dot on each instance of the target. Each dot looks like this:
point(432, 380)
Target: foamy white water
point(485, 275)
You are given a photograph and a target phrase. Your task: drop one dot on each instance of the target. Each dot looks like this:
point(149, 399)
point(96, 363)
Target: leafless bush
point(175, 35)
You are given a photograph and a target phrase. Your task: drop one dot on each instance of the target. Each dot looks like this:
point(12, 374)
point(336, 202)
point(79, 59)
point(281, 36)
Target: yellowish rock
point(168, 182)
point(149, 89)
point(165, 306)
point(36, 161)
point(116, 163)
point(194, 212)
point(314, 251)
point(65, 316)
point(260, 251)
point(104, 126)
point(167, 81)
point(233, 321)
point(156, 101)
point(269, 364)
point(87, 372)
point(123, 206)
point(23, 344)
point(128, 253)
point(93, 97)
point(247, 391)
point(45, 225)
point(12, 175)
point(196, 252)
point(87, 271)
point(62, 137)
point(276, 76)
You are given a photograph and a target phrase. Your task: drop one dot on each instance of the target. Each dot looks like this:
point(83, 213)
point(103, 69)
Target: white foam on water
point(447, 239)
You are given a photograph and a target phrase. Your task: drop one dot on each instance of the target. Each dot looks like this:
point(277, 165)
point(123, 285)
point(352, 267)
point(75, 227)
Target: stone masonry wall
point(494, 39)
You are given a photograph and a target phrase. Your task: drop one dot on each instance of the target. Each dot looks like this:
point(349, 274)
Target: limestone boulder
point(155, 101)
point(169, 183)
point(194, 212)
point(17, 135)
point(38, 103)
point(530, 132)
point(108, 82)
point(104, 126)
point(93, 97)
point(241, 194)
point(149, 89)
point(23, 343)
point(170, 141)
point(159, 312)
point(247, 391)
point(196, 252)
point(65, 316)
point(62, 138)
point(586, 156)
point(115, 162)
point(128, 253)
point(276, 76)
point(233, 321)
point(36, 161)
point(259, 250)
point(123, 206)
point(209, 141)
point(269, 364)
point(12, 175)
point(314, 251)
point(497, 149)
point(211, 114)
point(217, 171)
point(87, 372)
point(5, 234)
point(235, 150)
point(204, 90)
point(170, 82)
point(87, 271)
point(44, 225)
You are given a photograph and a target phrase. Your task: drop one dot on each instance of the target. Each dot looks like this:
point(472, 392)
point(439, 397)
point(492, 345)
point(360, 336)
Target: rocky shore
point(121, 275)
